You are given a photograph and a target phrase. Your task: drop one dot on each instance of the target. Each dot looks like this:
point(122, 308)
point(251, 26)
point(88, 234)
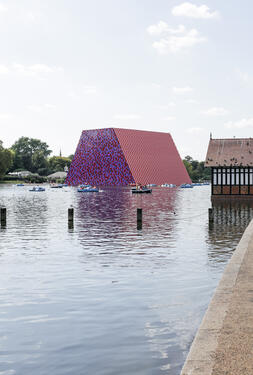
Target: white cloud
point(166, 106)
point(215, 111)
point(156, 85)
point(89, 89)
point(194, 130)
point(163, 28)
point(182, 90)
point(3, 8)
point(40, 108)
point(35, 108)
point(175, 43)
point(4, 69)
point(243, 76)
point(190, 10)
point(50, 106)
point(243, 123)
point(169, 118)
point(192, 101)
point(29, 70)
point(127, 117)
point(5, 116)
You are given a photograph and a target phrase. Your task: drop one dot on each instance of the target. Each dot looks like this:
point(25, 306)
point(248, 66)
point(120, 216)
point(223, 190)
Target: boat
point(151, 185)
point(197, 184)
point(59, 186)
point(20, 185)
point(169, 185)
point(186, 186)
point(141, 191)
point(37, 189)
point(87, 189)
point(84, 186)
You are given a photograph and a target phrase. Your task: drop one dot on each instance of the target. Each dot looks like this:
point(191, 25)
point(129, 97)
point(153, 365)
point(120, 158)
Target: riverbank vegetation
point(33, 155)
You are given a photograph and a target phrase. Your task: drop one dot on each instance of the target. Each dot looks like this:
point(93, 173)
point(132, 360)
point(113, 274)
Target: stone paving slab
point(223, 344)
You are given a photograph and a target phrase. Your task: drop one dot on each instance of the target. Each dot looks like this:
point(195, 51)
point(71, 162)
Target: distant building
point(231, 162)
point(22, 174)
point(57, 175)
point(121, 157)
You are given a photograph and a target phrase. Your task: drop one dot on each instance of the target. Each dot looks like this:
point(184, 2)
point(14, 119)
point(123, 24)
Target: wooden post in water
point(210, 215)
point(3, 217)
point(71, 218)
point(139, 218)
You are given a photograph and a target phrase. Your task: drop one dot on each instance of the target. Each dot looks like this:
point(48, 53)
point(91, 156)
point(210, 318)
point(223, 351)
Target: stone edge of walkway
point(200, 360)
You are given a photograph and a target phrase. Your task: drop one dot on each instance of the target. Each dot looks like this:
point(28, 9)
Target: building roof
point(230, 152)
point(58, 175)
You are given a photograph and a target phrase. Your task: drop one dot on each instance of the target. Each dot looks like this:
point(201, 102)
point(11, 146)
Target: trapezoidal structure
point(115, 156)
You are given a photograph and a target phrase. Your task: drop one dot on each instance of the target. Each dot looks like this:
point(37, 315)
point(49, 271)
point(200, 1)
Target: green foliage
point(196, 169)
point(6, 160)
point(30, 154)
point(58, 163)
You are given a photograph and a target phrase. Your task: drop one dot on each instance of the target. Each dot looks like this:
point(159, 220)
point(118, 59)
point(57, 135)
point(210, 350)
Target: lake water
point(104, 298)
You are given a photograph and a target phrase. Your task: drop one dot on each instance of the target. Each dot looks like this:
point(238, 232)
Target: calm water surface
point(104, 298)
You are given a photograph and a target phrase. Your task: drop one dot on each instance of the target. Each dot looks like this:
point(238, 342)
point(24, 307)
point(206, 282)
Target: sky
point(183, 67)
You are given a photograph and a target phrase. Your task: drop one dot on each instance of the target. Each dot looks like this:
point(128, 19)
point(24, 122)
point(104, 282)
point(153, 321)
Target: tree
point(6, 160)
point(58, 163)
point(29, 154)
point(196, 170)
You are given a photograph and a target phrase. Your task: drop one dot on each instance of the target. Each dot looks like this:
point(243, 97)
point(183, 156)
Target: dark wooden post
point(139, 218)
point(71, 217)
point(210, 215)
point(3, 217)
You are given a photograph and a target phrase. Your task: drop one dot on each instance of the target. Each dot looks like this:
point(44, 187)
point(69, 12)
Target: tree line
point(31, 155)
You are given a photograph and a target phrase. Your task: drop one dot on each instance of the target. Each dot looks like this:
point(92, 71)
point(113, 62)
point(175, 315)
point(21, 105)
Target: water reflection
point(102, 295)
point(229, 221)
point(107, 226)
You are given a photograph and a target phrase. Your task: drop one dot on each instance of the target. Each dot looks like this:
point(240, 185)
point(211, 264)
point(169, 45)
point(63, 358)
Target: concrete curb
point(201, 358)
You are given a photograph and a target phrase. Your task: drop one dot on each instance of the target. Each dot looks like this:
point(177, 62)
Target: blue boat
point(88, 189)
point(20, 185)
point(59, 186)
point(37, 189)
point(186, 186)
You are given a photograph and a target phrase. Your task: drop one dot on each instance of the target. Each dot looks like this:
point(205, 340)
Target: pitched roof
point(230, 152)
point(58, 175)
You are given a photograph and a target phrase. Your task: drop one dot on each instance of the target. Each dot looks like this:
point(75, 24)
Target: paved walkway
point(224, 342)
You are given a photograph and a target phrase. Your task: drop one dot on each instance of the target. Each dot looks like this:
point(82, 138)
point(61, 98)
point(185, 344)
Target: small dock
point(223, 344)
